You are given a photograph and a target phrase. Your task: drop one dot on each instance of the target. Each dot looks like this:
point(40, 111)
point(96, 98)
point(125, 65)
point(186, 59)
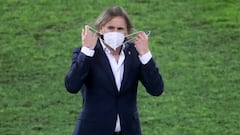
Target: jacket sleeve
point(151, 78)
point(78, 71)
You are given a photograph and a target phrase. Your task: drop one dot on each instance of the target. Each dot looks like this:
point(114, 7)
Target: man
point(107, 68)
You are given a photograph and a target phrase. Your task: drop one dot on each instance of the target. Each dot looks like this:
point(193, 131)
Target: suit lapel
point(127, 65)
point(104, 63)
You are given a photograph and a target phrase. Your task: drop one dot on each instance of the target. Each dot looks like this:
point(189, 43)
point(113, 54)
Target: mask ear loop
point(134, 33)
point(131, 36)
point(95, 31)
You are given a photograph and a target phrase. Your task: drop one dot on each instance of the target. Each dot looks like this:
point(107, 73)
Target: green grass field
point(195, 43)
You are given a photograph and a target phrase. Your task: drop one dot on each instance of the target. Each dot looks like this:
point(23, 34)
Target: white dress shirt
point(117, 68)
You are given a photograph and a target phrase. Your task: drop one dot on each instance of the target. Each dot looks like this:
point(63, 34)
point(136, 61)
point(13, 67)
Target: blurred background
point(195, 43)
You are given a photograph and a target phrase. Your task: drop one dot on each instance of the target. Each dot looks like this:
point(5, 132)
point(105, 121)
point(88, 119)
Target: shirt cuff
point(145, 58)
point(87, 51)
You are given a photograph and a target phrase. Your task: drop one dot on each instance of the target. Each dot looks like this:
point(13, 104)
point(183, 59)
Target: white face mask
point(114, 39)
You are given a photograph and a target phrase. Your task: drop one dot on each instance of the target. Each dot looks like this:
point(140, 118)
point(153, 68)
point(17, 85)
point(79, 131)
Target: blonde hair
point(109, 14)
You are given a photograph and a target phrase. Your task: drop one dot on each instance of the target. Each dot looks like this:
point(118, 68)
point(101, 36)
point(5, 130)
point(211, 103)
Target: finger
point(136, 40)
point(143, 35)
point(86, 29)
point(82, 32)
point(139, 35)
point(89, 31)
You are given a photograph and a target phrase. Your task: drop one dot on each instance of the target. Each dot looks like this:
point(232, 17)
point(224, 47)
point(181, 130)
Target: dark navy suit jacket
point(101, 99)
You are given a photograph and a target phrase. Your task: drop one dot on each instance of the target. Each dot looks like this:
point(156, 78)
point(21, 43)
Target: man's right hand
point(89, 39)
